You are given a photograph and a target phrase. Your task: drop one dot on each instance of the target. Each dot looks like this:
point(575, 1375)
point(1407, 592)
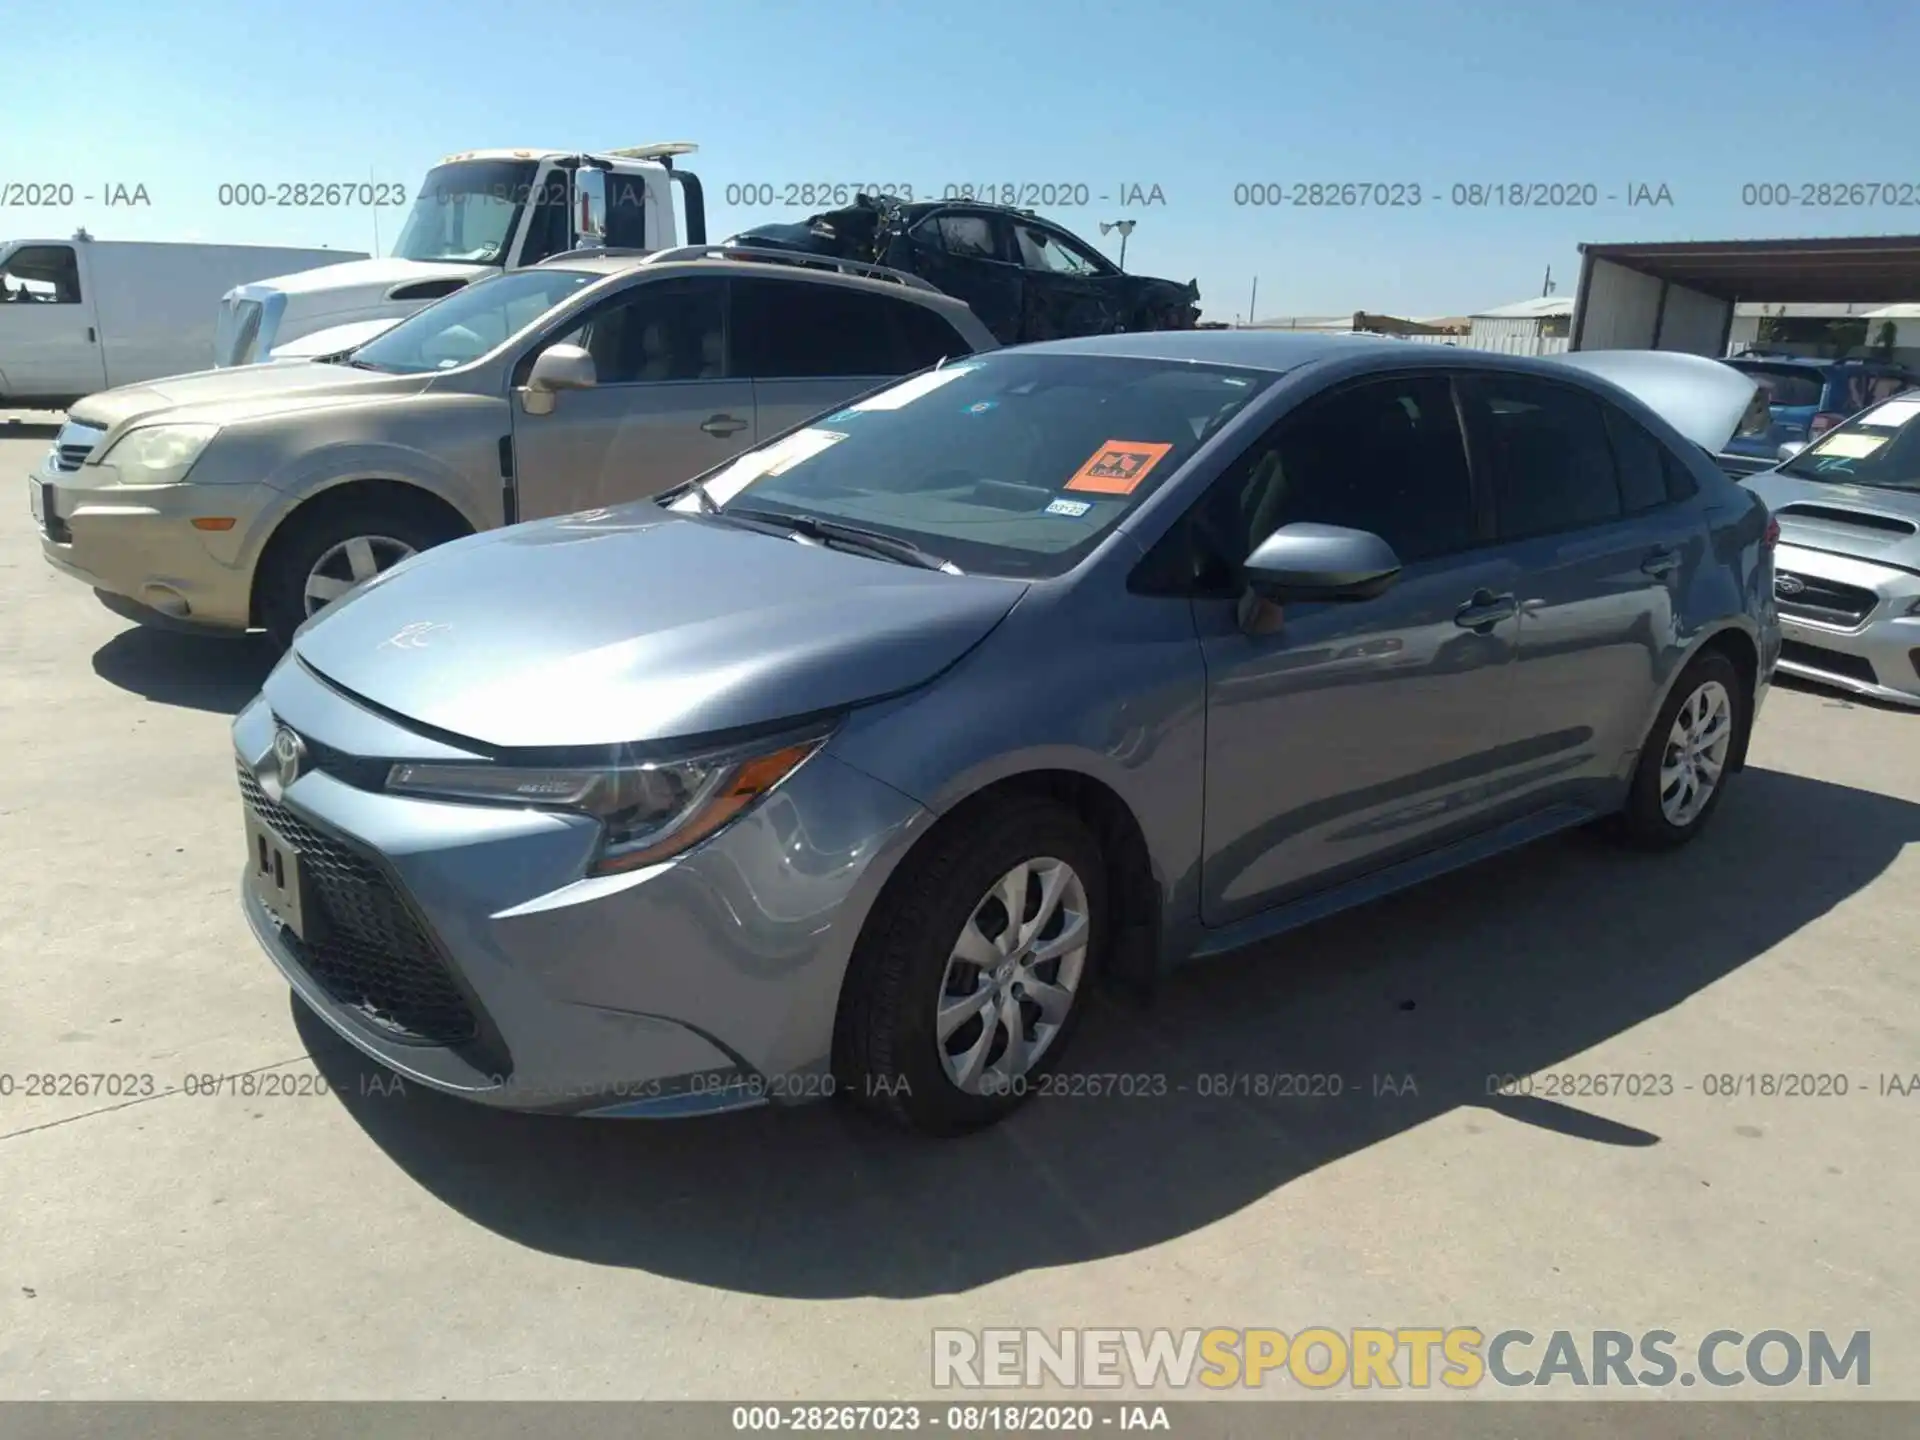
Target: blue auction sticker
point(1075, 508)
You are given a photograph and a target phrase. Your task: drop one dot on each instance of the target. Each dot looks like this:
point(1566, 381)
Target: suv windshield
point(467, 211)
point(470, 322)
point(1012, 464)
point(1880, 448)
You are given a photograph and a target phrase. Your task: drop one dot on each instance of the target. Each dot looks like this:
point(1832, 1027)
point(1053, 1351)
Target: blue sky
point(1700, 96)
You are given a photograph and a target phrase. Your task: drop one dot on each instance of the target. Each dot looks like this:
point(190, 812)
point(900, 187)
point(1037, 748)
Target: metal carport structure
point(1680, 295)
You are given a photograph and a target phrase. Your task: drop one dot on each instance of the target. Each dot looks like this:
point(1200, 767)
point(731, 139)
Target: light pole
point(1125, 227)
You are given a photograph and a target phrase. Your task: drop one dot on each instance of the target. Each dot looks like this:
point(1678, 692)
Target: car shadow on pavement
point(200, 672)
point(1507, 969)
point(1837, 697)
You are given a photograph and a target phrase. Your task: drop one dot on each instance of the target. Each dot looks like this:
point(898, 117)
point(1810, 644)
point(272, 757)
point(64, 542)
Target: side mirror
point(1791, 449)
point(1305, 561)
point(557, 368)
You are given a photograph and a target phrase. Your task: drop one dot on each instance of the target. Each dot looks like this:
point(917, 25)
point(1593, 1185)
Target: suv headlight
point(649, 811)
point(156, 454)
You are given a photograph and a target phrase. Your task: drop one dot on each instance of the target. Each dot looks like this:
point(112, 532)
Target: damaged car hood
point(636, 625)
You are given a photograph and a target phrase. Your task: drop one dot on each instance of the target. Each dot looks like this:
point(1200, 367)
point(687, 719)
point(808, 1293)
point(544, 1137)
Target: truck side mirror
point(557, 368)
point(589, 208)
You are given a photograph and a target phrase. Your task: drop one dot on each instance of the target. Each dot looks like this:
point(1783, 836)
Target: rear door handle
point(722, 426)
point(1662, 562)
point(1485, 610)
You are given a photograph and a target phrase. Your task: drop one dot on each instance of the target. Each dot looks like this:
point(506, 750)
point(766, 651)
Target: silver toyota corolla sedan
point(851, 766)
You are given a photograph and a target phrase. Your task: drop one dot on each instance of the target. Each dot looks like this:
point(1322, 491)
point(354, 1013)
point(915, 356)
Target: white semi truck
point(475, 214)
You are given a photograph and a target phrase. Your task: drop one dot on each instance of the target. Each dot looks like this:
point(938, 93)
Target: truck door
point(49, 338)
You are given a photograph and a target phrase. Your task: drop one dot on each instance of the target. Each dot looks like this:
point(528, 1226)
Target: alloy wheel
point(1012, 977)
point(1696, 753)
point(350, 563)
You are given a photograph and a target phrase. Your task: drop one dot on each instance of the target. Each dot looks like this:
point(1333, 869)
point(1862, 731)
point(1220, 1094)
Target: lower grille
point(364, 946)
point(1832, 662)
point(1826, 602)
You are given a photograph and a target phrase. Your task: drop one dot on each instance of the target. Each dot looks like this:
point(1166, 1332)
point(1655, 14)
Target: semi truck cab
point(476, 214)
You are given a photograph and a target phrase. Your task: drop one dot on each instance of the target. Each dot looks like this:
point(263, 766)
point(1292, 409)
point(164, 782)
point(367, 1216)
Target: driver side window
point(662, 330)
point(1384, 455)
point(1042, 250)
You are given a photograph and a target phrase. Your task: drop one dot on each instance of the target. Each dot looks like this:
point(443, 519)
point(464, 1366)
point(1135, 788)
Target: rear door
point(1603, 549)
point(807, 344)
point(1069, 290)
point(970, 255)
point(665, 406)
point(49, 341)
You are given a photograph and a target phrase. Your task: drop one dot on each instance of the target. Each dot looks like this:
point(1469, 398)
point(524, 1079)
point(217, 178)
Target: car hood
point(636, 625)
point(374, 274)
point(1703, 399)
point(335, 340)
point(1857, 520)
point(240, 387)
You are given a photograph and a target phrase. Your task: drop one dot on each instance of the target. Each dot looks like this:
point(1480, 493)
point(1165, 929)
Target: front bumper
point(139, 543)
point(1875, 652)
point(707, 983)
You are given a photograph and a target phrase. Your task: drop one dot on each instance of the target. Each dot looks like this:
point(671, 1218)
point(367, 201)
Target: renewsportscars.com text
point(1455, 1358)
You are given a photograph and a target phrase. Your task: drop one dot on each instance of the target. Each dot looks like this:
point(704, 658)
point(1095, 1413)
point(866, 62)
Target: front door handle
point(721, 426)
point(1485, 610)
point(1661, 562)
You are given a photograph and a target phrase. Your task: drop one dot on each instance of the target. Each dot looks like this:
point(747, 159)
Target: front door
point(49, 346)
point(1342, 737)
point(663, 409)
point(1068, 290)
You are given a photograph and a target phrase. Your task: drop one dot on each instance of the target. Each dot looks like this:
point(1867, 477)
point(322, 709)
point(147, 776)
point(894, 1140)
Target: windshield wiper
point(853, 537)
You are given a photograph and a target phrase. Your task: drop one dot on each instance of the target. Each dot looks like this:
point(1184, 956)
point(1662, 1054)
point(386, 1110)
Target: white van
point(82, 315)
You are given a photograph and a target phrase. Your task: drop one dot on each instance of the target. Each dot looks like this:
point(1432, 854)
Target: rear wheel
point(973, 971)
point(1684, 763)
point(333, 551)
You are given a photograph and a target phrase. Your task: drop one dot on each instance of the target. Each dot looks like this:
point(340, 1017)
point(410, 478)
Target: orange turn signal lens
point(213, 522)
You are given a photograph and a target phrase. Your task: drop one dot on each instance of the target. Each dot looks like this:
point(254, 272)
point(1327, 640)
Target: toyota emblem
point(289, 753)
point(1788, 585)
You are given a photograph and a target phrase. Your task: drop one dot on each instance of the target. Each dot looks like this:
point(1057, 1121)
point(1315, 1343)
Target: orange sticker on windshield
point(1118, 467)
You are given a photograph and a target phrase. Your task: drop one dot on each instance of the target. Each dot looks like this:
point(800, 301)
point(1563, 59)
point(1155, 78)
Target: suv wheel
point(974, 969)
point(334, 550)
point(1683, 764)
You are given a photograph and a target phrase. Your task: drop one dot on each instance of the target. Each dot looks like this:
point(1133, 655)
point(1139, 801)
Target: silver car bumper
point(1849, 623)
point(463, 946)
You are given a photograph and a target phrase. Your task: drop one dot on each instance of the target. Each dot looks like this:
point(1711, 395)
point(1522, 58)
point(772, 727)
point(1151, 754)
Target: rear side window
point(924, 336)
point(1681, 482)
point(1548, 451)
point(794, 330)
point(1641, 461)
point(1789, 385)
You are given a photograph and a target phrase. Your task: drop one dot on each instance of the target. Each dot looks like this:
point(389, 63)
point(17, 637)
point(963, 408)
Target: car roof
point(1276, 350)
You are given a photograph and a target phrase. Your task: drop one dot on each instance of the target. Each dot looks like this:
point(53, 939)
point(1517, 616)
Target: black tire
point(886, 1055)
point(293, 553)
point(1643, 823)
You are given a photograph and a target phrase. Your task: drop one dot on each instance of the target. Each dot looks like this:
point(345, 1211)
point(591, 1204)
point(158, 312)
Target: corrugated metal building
point(1527, 327)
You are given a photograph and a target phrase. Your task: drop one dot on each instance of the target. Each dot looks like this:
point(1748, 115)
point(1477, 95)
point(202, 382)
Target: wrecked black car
point(1026, 278)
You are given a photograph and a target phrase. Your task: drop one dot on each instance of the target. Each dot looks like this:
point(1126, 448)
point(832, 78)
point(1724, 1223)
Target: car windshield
point(470, 322)
point(467, 211)
point(1880, 448)
point(1014, 464)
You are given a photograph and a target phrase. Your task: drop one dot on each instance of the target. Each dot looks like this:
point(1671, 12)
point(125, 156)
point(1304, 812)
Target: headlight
point(650, 810)
point(156, 450)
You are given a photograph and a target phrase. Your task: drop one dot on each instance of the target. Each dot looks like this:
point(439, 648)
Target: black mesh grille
point(1827, 601)
point(1832, 662)
point(364, 946)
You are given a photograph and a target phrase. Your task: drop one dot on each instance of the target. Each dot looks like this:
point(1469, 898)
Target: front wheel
point(1683, 765)
point(334, 551)
point(973, 970)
